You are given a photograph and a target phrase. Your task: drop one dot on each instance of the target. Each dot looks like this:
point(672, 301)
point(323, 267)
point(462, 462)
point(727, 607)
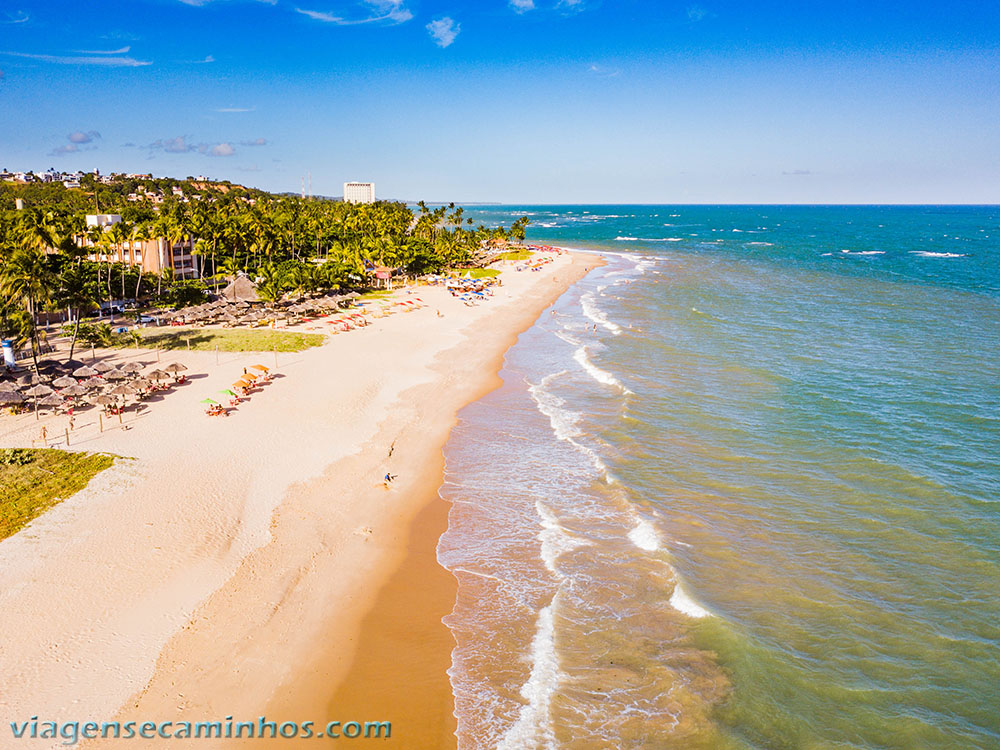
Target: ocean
point(740, 487)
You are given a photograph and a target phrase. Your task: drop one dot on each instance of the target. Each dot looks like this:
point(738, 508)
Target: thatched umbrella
point(38, 390)
point(7, 385)
point(105, 400)
point(75, 391)
point(141, 383)
point(11, 397)
point(125, 389)
point(84, 372)
point(115, 375)
point(104, 366)
point(64, 382)
point(157, 374)
point(51, 401)
point(175, 367)
point(131, 367)
point(30, 379)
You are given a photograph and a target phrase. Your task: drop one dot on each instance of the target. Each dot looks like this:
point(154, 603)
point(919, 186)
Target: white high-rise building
point(359, 192)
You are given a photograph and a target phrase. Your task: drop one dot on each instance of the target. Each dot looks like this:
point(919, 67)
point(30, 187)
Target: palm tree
point(75, 293)
point(27, 278)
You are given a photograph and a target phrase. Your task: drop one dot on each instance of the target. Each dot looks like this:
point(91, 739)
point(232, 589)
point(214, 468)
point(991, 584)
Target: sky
point(515, 101)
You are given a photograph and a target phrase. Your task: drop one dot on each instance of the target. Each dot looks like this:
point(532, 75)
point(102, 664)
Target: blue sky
point(549, 101)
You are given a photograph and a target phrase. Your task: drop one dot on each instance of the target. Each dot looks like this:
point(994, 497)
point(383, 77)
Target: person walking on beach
point(388, 479)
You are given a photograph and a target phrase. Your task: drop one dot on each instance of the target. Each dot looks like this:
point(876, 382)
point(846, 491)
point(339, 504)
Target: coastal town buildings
point(152, 255)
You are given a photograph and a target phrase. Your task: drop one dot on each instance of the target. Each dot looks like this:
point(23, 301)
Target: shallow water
point(739, 493)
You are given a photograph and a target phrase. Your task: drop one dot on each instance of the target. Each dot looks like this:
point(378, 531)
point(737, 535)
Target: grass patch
point(47, 478)
point(483, 273)
point(376, 294)
point(516, 255)
point(230, 340)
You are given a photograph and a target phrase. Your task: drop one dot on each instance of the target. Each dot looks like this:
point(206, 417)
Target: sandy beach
point(255, 564)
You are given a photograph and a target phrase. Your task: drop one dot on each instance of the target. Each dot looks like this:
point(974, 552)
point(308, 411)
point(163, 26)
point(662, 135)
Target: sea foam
point(680, 601)
point(595, 314)
point(533, 728)
point(555, 540)
point(601, 376)
point(644, 536)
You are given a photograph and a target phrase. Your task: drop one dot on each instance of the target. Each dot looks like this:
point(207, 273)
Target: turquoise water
point(740, 489)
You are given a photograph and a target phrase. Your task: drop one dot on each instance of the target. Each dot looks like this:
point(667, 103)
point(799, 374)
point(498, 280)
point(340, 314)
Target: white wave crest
point(601, 376)
point(554, 538)
point(563, 421)
point(626, 239)
point(680, 601)
point(595, 314)
point(644, 536)
point(533, 728)
point(929, 254)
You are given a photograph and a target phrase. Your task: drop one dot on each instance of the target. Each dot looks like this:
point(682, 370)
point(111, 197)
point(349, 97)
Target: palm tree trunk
point(76, 330)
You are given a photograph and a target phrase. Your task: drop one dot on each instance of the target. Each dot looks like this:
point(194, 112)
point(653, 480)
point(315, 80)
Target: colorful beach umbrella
point(227, 392)
point(210, 401)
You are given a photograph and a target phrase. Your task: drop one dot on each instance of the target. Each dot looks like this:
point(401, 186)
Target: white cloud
point(178, 145)
point(69, 148)
point(109, 62)
point(19, 17)
point(522, 6)
point(374, 11)
point(236, 109)
point(603, 72)
point(81, 137)
point(221, 149)
point(696, 13)
point(122, 51)
point(443, 31)
point(255, 142)
point(208, 59)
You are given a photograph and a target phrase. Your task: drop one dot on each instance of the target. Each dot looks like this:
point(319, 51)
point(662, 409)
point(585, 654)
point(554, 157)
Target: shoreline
point(244, 636)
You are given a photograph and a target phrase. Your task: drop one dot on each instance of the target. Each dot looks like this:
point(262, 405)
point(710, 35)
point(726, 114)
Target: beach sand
point(256, 564)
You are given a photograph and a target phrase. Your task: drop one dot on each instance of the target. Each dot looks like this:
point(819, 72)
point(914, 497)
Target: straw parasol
point(6, 385)
point(131, 367)
point(84, 372)
point(175, 367)
point(11, 397)
point(157, 375)
point(125, 389)
point(51, 401)
point(30, 379)
point(115, 375)
point(75, 390)
point(105, 400)
point(38, 390)
point(141, 383)
point(64, 382)
point(104, 366)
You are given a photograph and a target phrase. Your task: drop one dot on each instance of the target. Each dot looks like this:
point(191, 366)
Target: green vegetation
point(287, 244)
point(376, 294)
point(101, 334)
point(34, 481)
point(483, 273)
point(516, 255)
point(231, 340)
